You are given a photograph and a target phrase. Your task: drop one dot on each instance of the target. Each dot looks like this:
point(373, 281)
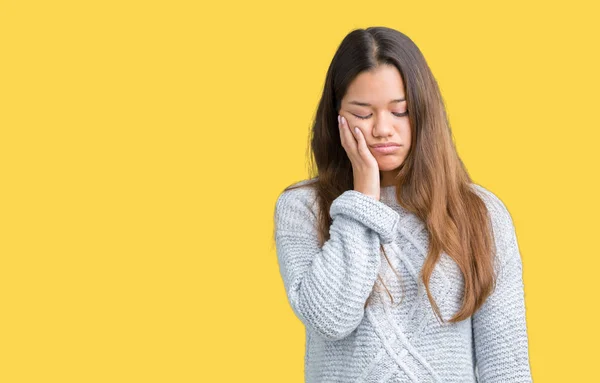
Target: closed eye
point(395, 114)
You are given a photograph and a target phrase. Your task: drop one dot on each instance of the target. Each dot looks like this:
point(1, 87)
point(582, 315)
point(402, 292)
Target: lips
point(386, 149)
point(388, 144)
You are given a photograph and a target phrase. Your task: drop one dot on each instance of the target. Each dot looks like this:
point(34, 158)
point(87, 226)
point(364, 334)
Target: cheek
point(363, 125)
point(405, 131)
point(400, 130)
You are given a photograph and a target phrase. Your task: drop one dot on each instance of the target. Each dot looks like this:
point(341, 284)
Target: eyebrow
point(366, 104)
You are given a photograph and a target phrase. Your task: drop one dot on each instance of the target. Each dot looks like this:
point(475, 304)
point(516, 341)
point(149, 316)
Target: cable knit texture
point(327, 288)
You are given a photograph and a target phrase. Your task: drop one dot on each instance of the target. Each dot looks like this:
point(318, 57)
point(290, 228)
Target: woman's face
point(375, 102)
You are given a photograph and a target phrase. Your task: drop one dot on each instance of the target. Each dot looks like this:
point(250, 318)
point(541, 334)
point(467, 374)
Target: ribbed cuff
point(367, 210)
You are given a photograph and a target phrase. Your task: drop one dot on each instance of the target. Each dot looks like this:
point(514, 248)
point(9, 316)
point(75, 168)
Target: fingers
point(347, 138)
point(352, 139)
point(363, 150)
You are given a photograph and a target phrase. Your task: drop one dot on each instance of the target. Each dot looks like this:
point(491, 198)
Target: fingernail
point(339, 122)
point(356, 129)
point(343, 120)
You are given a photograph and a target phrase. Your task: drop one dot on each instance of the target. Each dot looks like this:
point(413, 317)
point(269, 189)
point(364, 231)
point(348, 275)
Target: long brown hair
point(432, 182)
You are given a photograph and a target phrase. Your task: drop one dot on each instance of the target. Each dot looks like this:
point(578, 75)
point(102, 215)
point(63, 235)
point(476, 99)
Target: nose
point(383, 125)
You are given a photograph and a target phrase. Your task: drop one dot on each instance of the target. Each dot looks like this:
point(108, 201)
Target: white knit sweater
point(327, 288)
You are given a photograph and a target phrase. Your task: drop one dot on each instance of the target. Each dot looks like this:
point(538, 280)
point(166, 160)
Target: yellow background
point(143, 146)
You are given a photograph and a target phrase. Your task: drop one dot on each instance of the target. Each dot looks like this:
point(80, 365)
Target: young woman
point(399, 266)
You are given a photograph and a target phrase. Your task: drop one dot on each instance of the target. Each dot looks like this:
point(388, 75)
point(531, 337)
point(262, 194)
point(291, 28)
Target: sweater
point(327, 288)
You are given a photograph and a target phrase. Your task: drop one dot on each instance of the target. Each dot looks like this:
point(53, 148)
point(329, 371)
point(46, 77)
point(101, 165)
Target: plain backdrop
point(144, 144)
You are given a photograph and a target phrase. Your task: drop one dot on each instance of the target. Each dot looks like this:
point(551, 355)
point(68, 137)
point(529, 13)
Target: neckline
point(388, 194)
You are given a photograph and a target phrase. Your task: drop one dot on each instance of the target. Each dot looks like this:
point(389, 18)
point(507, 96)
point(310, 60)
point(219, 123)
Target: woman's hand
point(364, 164)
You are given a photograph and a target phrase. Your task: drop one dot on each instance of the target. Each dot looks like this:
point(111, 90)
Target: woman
point(400, 268)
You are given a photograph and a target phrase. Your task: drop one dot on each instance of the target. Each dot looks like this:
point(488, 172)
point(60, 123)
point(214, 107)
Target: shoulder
point(299, 193)
point(500, 217)
point(496, 207)
point(296, 206)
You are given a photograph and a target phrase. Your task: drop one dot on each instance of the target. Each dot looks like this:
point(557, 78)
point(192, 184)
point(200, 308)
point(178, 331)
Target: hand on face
point(364, 165)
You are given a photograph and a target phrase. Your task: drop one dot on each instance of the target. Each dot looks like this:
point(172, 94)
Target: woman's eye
point(395, 114)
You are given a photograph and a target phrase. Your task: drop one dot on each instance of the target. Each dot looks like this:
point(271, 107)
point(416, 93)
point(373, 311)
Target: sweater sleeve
point(327, 286)
point(499, 326)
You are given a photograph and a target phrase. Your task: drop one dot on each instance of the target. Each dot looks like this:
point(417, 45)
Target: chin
point(389, 165)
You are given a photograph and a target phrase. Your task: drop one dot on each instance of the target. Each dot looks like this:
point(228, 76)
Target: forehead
point(378, 86)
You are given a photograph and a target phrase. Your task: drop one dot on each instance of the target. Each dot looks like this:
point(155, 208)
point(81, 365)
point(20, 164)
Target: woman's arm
point(499, 326)
point(327, 286)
